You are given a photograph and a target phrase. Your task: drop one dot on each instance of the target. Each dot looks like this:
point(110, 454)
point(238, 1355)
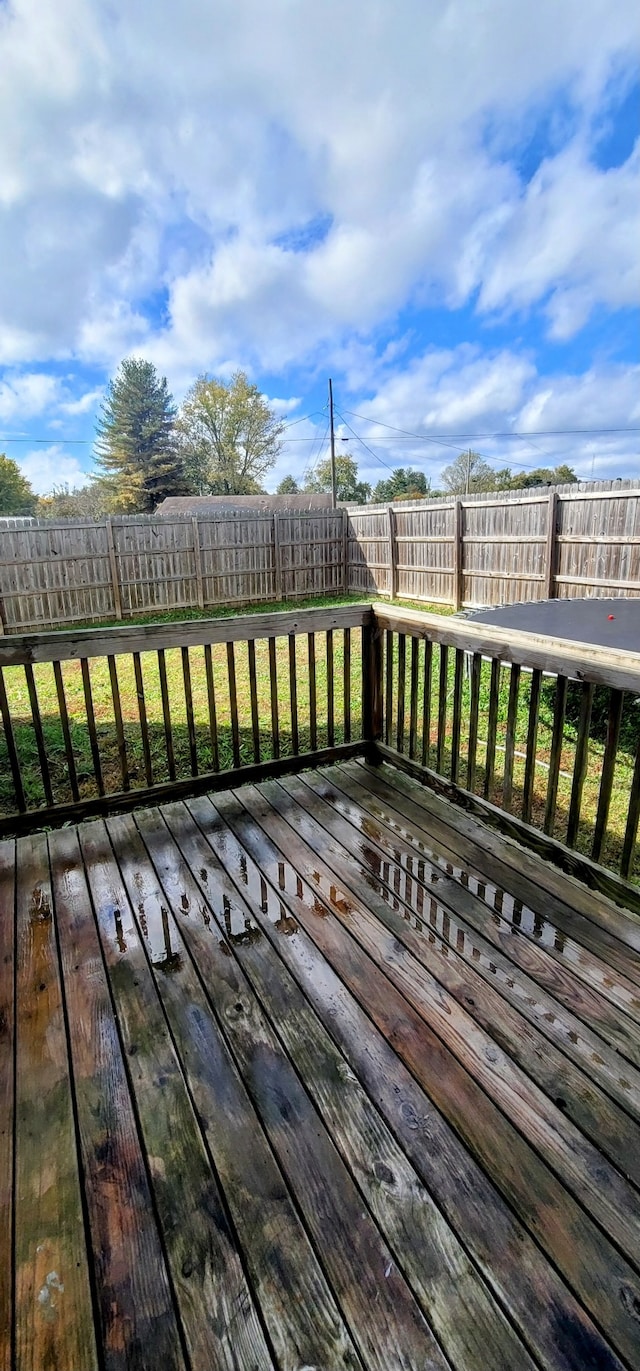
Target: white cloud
point(132, 131)
point(47, 467)
point(26, 395)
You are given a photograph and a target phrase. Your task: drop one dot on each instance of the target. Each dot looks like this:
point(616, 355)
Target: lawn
point(105, 724)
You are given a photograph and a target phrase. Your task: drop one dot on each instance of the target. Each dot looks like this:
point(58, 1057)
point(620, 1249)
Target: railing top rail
point(67, 645)
point(578, 661)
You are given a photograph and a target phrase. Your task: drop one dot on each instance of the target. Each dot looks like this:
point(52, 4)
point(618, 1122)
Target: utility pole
point(333, 448)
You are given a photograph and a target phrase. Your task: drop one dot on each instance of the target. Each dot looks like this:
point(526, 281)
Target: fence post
point(345, 551)
point(277, 557)
point(198, 561)
point(113, 562)
point(457, 553)
point(551, 549)
point(372, 702)
point(393, 551)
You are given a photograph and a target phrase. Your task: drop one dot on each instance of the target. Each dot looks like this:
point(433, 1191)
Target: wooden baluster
point(142, 711)
point(117, 715)
point(346, 683)
point(66, 731)
point(233, 704)
point(188, 700)
point(273, 681)
point(402, 672)
point(91, 724)
point(557, 739)
point(633, 814)
point(313, 703)
point(388, 720)
point(293, 694)
point(253, 690)
point(443, 679)
point(510, 741)
point(330, 690)
point(413, 698)
point(474, 705)
point(492, 728)
point(457, 714)
point(426, 703)
point(211, 701)
point(12, 751)
point(580, 764)
point(166, 713)
point(616, 701)
point(37, 728)
point(532, 744)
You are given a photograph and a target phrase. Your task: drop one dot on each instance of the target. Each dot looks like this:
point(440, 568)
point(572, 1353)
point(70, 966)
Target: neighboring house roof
point(207, 504)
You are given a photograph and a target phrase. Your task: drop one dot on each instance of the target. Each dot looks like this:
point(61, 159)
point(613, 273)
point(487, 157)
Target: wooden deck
point(320, 1073)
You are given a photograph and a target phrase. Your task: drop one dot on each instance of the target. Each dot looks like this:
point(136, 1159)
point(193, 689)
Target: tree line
point(222, 440)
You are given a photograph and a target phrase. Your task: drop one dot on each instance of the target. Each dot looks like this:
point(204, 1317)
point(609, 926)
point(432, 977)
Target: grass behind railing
point(104, 714)
point(625, 757)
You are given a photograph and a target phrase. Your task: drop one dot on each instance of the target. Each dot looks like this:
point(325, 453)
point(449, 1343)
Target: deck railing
point(92, 720)
point(539, 736)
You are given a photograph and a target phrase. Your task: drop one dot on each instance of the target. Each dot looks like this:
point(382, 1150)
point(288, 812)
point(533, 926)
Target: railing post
point(551, 549)
point(393, 552)
point(198, 561)
point(457, 554)
point(372, 700)
point(277, 558)
point(113, 563)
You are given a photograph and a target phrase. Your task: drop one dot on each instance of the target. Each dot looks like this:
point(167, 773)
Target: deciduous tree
point(348, 487)
point(403, 484)
point(16, 494)
point(229, 436)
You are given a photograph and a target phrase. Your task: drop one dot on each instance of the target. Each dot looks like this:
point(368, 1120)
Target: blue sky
point(434, 202)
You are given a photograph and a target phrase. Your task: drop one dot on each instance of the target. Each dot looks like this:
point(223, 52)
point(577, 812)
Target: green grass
point(103, 706)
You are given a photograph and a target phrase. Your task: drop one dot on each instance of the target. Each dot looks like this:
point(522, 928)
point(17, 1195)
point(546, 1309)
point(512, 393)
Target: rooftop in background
point(203, 504)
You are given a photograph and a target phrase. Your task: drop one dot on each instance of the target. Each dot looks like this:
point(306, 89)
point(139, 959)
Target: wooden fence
point(499, 548)
point(71, 572)
point(470, 551)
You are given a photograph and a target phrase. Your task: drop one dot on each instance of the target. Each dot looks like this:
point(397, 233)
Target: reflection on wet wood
point(316, 1073)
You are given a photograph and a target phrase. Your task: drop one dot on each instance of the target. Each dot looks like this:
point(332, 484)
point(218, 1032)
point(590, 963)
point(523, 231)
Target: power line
point(520, 433)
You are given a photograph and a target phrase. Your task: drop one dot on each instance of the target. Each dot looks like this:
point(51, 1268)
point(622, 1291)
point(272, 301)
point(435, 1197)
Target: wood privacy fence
point(471, 551)
point(68, 572)
point(498, 548)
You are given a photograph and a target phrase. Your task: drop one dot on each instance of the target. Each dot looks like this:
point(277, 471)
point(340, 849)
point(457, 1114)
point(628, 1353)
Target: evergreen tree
point(16, 496)
point(288, 486)
point(136, 445)
point(403, 484)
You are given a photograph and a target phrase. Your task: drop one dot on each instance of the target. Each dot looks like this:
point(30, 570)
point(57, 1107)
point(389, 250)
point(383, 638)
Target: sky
point(434, 202)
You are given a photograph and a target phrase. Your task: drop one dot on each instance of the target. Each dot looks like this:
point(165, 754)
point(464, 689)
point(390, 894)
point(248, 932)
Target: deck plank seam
point(546, 1161)
point(220, 1028)
point(138, 1122)
point(562, 1011)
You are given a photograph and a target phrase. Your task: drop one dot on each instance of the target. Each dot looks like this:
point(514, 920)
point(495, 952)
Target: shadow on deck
point(319, 1073)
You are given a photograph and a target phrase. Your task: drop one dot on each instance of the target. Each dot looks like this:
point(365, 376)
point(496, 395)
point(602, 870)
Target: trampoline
point(596, 622)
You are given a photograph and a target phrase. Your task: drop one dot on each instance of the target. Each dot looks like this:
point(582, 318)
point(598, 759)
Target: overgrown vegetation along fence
point(475, 550)
point(522, 730)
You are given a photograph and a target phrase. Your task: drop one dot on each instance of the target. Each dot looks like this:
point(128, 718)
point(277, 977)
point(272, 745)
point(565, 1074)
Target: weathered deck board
point(315, 1074)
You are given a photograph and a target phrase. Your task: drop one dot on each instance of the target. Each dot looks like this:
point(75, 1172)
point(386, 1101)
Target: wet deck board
point(314, 1074)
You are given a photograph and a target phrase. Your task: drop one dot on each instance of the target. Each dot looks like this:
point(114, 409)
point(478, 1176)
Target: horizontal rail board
point(120, 801)
point(61, 647)
point(580, 662)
